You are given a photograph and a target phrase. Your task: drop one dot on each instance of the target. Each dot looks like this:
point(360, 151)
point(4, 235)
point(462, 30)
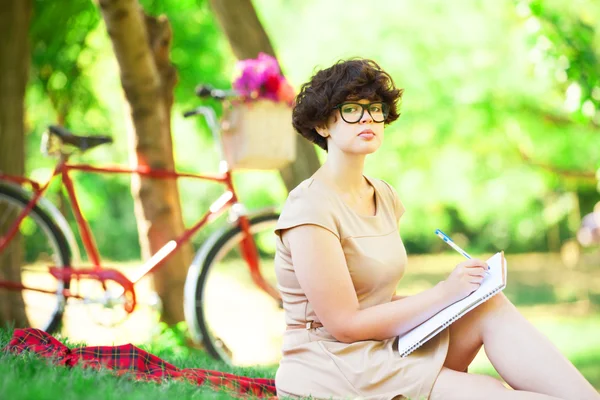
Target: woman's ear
point(322, 130)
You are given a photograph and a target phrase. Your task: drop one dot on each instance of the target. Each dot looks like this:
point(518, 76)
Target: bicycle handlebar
point(217, 94)
point(205, 91)
point(190, 113)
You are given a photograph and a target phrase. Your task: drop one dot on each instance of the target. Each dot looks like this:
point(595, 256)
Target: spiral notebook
point(492, 284)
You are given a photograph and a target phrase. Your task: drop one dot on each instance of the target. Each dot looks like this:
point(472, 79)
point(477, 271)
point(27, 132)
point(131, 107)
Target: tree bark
point(14, 65)
point(141, 45)
point(247, 38)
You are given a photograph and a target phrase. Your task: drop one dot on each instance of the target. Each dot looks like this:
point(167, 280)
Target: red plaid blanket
point(128, 359)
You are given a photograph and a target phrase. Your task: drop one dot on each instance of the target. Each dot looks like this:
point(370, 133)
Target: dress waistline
point(308, 326)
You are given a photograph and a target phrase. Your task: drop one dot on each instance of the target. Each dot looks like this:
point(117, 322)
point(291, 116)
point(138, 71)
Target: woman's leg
point(454, 385)
point(466, 339)
point(524, 357)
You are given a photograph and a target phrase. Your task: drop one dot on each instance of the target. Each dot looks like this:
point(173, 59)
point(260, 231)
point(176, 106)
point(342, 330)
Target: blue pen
point(451, 243)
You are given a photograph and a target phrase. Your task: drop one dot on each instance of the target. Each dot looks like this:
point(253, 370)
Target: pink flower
point(271, 84)
point(261, 78)
point(286, 93)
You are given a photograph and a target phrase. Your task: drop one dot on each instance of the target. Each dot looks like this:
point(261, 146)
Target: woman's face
point(355, 134)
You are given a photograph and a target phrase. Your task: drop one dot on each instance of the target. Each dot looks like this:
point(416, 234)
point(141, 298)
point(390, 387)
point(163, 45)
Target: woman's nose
point(366, 117)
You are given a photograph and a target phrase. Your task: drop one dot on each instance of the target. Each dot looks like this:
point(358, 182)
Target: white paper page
point(490, 284)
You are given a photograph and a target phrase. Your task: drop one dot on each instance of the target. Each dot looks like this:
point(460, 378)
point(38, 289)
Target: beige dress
point(314, 363)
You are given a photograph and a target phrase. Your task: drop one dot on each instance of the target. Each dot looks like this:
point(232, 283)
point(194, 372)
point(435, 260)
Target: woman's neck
point(345, 173)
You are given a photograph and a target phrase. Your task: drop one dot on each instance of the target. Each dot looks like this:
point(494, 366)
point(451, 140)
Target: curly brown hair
point(346, 79)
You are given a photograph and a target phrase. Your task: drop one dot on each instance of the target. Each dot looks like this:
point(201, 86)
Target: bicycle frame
point(97, 272)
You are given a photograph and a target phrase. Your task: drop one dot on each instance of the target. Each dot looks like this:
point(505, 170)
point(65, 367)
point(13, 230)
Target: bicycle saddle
point(83, 143)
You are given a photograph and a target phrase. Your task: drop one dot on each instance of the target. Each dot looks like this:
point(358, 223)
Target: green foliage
point(199, 51)
point(61, 53)
point(473, 102)
point(565, 41)
point(564, 48)
point(490, 120)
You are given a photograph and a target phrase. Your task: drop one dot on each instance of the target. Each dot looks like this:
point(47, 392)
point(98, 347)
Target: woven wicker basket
point(258, 135)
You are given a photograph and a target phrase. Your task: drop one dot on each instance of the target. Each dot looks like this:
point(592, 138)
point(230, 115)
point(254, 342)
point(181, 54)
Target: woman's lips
point(367, 134)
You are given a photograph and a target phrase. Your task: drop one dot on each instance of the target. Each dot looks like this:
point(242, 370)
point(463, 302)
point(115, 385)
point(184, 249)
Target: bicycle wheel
point(37, 245)
point(236, 321)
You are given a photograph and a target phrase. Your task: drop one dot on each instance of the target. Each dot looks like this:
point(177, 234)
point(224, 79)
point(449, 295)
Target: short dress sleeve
point(398, 206)
point(305, 207)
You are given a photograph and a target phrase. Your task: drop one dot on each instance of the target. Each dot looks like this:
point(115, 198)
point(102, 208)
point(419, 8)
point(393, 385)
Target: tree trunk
point(141, 45)
point(248, 38)
point(14, 65)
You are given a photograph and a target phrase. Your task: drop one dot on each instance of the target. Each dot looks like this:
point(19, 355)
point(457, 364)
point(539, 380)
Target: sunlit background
point(498, 139)
point(498, 143)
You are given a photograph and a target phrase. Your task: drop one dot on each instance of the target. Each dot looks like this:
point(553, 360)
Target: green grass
point(563, 304)
point(30, 377)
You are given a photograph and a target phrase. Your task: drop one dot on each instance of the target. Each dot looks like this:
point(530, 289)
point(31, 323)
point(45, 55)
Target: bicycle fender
point(47, 206)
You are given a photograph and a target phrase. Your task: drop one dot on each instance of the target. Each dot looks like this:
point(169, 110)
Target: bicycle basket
point(258, 135)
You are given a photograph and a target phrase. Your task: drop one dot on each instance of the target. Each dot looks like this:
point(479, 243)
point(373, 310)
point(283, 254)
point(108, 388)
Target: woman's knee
point(452, 385)
point(492, 382)
point(498, 302)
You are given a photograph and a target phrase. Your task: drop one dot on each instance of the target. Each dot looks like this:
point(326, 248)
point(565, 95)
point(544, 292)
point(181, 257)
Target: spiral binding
point(449, 322)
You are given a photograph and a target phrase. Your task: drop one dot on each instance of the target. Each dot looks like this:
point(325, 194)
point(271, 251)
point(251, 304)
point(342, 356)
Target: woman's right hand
point(465, 279)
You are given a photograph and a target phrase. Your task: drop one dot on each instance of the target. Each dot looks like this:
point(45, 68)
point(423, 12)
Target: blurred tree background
point(498, 142)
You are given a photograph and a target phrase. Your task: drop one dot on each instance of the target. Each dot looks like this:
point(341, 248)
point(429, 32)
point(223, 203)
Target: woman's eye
point(349, 109)
point(376, 108)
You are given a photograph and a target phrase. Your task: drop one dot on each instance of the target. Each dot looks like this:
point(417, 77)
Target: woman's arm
point(322, 272)
point(398, 297)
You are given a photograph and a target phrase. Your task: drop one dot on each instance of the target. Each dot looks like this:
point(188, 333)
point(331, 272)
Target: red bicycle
point(230, 302)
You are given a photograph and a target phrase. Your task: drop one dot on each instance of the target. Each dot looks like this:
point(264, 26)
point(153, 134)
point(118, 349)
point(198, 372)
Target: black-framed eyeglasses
point(352, 112)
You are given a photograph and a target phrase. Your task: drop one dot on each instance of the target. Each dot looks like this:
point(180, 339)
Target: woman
point(339, 259)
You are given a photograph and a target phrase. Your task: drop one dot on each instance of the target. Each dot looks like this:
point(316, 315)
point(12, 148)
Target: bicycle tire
point(199, 276)
point(58, 242)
